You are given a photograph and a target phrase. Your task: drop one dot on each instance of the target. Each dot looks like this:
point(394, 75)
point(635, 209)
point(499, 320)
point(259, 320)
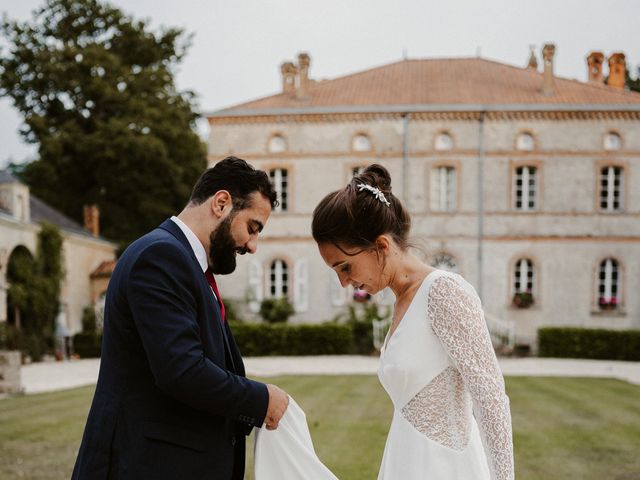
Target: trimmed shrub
point(276, 310)
point(596, 343)
point(260, 339)
point(87, 344)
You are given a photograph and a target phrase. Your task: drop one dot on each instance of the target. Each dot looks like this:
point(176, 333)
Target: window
point(357, 170)
point(277, 144)
point(611, 189)
point(443, 141)
point(612, 141)
point(525, 188)
point(525, 141)
point(278, 279)
point(523, 278)
point(280, 184)
point(443, 189)
point(99, 310)
point(608, 285)
point(361, 143)
point(444, 261)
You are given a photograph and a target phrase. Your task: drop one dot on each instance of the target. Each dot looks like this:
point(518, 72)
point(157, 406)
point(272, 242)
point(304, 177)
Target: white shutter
point(255, 285)
point(386, 297)
point(336, 292)
point(301, 285)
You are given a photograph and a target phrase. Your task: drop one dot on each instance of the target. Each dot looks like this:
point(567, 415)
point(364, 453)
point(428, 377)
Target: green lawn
point(564, 428)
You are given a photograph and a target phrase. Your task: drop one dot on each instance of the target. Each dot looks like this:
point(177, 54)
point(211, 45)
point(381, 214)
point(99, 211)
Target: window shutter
point(301, 285)
point(255, 285)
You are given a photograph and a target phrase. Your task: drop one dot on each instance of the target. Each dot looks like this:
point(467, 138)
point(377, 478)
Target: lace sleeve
point(458, 321)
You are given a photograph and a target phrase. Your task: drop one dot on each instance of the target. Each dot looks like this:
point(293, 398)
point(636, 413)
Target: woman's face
point(364, 270)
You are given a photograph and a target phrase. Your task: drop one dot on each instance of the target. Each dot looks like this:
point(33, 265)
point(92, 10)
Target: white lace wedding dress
point(451, 416)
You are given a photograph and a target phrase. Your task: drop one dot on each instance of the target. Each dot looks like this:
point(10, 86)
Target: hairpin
point(376, 191)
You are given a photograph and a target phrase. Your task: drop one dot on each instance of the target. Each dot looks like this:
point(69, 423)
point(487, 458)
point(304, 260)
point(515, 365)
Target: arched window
point(525, 142)
point(443, 189)
point(357, 170)
point(361, 143)
point(444, 261)
point(443, 141)
point(612, 141)
point(523, 283)
point(608, 284)
point(278, 279)
point(277, 144)
point(611, 188)
point(279, 179)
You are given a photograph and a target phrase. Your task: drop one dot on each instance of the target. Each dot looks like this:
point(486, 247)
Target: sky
point(238, 46)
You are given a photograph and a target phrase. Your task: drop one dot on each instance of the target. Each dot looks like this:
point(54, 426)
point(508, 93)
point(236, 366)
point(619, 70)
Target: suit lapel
point(230, 360)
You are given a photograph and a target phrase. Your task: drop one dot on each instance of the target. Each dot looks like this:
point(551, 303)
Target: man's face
point(238, 233)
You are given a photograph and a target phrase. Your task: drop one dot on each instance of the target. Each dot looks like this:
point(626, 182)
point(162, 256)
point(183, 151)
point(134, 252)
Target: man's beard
point(222, 248)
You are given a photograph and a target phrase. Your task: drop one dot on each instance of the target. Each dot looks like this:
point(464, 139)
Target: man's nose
point(252, 245)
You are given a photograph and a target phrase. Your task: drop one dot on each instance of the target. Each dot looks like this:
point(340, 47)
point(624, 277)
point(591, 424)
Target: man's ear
point(221, 204)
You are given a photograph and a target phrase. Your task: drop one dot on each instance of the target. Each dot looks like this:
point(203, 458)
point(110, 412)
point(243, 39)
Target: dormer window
point(277, 144)
point(361, 143)
point(443, 141)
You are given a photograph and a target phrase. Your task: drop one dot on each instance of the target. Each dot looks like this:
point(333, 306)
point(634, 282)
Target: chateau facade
point(526, 184)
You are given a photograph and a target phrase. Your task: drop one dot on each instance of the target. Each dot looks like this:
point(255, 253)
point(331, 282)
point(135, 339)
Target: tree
point(97, 93)
point(633, 84)
point(34, 292)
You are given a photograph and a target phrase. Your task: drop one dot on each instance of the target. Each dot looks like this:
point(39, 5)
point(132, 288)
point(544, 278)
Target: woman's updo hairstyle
point(356, 216)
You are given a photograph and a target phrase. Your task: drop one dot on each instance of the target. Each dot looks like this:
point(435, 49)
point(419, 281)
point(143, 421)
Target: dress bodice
point(442, 375)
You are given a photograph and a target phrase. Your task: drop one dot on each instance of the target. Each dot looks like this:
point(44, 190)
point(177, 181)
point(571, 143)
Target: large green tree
point(97, 92)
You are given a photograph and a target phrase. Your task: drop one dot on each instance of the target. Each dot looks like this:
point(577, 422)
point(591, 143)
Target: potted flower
point(608, 303)
point(360, 296)
point(522, 299)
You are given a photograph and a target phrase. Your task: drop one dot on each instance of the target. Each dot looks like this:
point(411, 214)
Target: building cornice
point(471, 112)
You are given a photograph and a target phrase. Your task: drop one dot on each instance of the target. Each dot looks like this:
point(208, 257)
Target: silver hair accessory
point(376, 191)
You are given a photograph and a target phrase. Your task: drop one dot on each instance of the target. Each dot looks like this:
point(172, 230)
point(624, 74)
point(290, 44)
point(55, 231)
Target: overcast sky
point(238, 45)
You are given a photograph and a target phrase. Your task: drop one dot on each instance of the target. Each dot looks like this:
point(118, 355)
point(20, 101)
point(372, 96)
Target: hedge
point(261, 339)
point(589, 343)
point(87, 344)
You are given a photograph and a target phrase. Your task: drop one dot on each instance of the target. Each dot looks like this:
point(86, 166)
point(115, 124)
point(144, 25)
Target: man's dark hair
point(238, 178)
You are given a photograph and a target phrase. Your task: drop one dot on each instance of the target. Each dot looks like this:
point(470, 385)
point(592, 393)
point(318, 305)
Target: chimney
point(303, 76)
point(533, 61)
point(92, 219)
point(617, 70)
point(289, 71)
point(548, 51)
point(594, 65)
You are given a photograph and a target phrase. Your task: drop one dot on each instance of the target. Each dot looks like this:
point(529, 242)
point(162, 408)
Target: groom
point(172, 400)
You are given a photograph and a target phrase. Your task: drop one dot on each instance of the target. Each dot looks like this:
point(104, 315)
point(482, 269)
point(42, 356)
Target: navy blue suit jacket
point(171, 401)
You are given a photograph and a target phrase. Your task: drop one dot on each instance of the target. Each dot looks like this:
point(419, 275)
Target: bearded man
point(172, 400)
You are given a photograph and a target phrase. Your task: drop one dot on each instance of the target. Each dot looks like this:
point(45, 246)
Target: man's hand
point(278, 403)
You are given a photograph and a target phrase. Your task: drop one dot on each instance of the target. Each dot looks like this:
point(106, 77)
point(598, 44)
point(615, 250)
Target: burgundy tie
point(214, 286)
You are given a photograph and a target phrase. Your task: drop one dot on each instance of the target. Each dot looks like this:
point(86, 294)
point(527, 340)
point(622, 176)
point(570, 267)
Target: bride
point(451, 416)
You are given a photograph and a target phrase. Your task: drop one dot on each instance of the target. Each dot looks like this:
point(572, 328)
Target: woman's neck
point(408, 272)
